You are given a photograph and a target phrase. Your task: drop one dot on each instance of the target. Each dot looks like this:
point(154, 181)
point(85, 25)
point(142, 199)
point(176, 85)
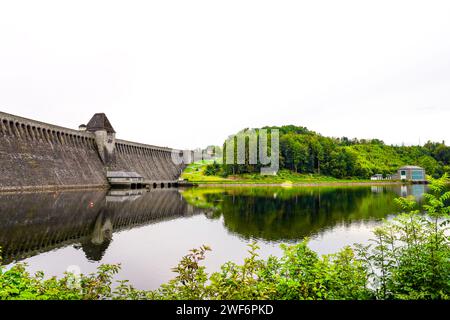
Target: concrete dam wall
point(35, 155)
point(154, 163)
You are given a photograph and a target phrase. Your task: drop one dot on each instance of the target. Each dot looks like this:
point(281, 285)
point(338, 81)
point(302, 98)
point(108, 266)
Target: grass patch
point(195, 173)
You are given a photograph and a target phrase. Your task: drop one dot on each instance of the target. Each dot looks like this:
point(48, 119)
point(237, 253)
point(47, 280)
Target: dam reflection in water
point(148, 232)
point(31, 223)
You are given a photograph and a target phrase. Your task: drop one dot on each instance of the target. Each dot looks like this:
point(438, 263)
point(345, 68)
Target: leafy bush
point(17, 284)
point(212, 169)
point(299, 274)
point(411, 256)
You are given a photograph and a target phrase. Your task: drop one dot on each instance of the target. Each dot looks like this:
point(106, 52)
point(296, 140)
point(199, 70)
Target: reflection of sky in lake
point(148, 253)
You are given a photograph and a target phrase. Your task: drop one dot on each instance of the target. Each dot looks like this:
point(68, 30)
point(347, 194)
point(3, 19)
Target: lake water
point(149, 231)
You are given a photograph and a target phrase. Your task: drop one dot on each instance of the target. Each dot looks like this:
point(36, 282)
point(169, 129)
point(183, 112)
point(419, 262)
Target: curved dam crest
point(40, 156)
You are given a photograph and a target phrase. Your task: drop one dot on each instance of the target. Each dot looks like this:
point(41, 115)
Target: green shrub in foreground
point(299, 274)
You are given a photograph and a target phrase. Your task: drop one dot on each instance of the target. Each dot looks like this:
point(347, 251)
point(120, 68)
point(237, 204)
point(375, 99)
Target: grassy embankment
point(195, 173)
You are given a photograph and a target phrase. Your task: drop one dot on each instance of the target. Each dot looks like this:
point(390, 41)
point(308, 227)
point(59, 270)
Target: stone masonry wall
point(35, 155)
point(153, 163)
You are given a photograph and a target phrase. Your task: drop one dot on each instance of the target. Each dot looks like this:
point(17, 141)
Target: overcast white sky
point(187, 74)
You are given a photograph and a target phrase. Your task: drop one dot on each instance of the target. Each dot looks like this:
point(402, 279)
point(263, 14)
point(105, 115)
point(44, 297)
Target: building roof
point(100, 122)
point(411, 167)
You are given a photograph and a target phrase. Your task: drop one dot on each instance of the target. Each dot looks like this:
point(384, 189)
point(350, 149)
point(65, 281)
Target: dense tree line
point(305, 151)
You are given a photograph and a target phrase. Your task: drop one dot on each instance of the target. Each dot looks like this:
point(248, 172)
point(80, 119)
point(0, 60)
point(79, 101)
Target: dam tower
point(105, 137)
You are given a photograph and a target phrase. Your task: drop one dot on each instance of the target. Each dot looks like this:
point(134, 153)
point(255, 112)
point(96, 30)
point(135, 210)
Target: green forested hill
point(305, 151)
point(371, 159)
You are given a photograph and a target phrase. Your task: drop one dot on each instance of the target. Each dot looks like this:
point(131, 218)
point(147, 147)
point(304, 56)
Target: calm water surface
point(148, 232)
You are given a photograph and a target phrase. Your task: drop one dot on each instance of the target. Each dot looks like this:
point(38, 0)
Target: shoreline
point(68, 188)
point(299, 184)
point(52, 188)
